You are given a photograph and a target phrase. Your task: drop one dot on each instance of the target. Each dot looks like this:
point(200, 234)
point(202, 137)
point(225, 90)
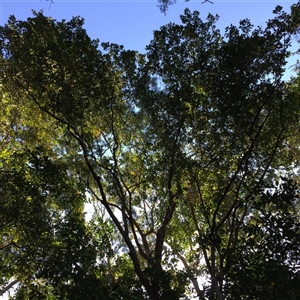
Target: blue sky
point(131, 23)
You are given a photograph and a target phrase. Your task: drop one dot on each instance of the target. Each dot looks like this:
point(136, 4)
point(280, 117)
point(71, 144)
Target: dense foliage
point(188, 154)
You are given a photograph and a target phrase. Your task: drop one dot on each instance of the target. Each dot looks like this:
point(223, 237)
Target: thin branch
point(8, 287)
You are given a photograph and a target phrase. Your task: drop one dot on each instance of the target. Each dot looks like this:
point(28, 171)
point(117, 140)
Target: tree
point(90, 105)
point(177, 147)
point(164, 4)
point(267, 262)
point(223, 104)
point(42, 225)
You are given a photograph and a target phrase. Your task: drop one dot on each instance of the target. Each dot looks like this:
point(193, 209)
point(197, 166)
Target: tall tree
point(177, 146)
point(223, 103)
point(84, 91)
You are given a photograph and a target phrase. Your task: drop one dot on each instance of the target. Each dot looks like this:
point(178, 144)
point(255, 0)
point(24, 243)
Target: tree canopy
point(188, 153)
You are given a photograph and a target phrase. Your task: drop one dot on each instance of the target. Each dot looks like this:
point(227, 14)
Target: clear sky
point(131, 22)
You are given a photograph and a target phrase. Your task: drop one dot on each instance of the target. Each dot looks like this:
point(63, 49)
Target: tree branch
point(9, 286)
